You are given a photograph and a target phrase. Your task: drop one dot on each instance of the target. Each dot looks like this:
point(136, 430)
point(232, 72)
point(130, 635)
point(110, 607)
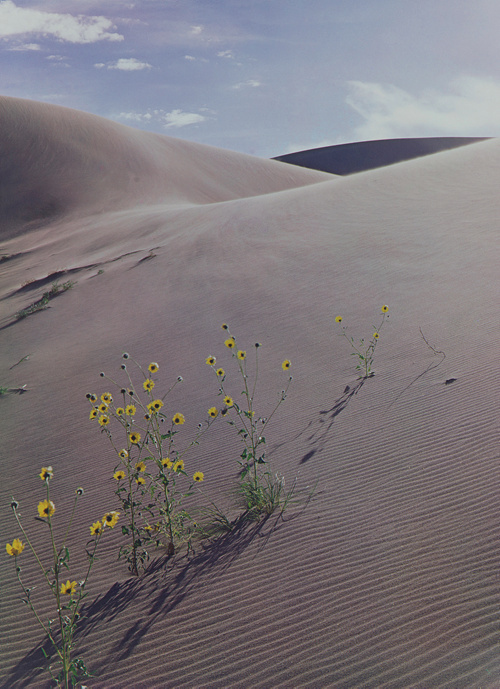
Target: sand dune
point(56, 160)
point(389, 576)
point(346, 159)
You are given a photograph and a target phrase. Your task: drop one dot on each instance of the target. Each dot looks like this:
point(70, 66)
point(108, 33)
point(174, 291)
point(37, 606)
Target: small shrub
point(260, 492)
point(42, 303)
point(364, 351)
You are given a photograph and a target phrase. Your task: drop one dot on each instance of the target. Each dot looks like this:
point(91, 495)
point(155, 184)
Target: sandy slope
point(57, 161)
point(389, 577)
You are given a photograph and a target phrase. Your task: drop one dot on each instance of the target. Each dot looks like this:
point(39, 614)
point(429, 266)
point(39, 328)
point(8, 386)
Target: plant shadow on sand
point(167, 581)
point(320, 428)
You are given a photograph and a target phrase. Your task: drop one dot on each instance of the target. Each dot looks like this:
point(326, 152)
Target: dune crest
point(57, 161)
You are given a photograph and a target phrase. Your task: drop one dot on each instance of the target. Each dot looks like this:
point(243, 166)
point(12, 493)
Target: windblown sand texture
point(389, 576)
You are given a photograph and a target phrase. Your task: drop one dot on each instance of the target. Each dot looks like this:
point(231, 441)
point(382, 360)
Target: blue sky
point(264, 77)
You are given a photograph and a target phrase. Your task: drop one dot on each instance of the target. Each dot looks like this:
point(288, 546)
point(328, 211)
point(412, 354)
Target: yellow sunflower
point(96, 529)
point(179, 465)
point(46, 473)
point(110, 519)
point(46, 508)
point(16, 548)
point(68, 588)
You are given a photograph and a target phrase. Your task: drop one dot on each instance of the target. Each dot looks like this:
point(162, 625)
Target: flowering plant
point(364, 351)
point(151, 476)
point(68, 595)
point(261, 492)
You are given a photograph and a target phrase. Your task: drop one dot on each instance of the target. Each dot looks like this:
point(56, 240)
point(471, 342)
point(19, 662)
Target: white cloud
point(178, 118)
point(470, 107)
point(135, 116)
point(196, 30)
point(16, 21)
point(25, 46)
point(174, 118)
point(191, 58)
point(251, 83)
point(228, 54)
point(127, 64)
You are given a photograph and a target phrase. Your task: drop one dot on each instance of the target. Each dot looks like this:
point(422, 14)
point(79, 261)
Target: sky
point(263, 77)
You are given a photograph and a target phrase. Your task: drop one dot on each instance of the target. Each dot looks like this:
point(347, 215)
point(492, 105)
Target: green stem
point(33, 610)
point(82, 587)
point(70, 522)
point(66, 644)
point(135, 571)
point(31, 547)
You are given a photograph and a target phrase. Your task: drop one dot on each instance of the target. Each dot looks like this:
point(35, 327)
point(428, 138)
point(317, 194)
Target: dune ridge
point(388, 576)
point(56, 160)
point(348, 159)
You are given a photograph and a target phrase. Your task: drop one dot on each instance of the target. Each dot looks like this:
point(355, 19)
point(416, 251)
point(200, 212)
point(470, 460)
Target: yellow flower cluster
point(155, 406)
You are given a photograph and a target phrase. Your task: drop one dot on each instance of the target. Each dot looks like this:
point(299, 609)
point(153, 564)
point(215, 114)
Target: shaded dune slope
point(388, 577)
point(347, 159)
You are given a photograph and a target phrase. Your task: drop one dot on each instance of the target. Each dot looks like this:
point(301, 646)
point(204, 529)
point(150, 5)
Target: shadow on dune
point(166, 583)
point(156, 593)
point(318, 429)
point(328, 416)
point(30, 670)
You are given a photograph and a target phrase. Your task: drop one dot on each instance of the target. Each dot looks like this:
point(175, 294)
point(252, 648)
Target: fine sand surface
point(389, 575)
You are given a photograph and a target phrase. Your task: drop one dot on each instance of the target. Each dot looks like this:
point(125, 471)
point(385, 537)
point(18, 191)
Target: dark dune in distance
point(388, 578)
point(348, 159)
